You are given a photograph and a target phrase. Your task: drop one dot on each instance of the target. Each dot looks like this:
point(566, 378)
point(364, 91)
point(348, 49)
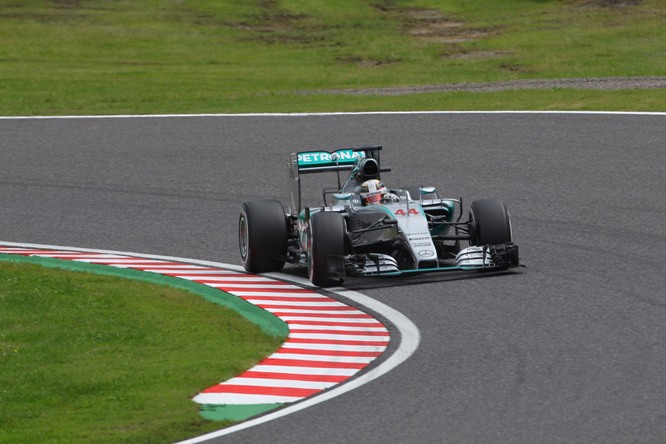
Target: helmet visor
point(372, 198)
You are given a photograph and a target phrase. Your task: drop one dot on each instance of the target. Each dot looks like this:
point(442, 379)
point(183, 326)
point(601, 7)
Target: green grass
point(209, 56)
point(92, 358)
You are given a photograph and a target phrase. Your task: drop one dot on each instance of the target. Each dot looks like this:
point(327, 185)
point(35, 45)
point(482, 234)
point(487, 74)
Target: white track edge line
point(410, 337)
point(360, 113)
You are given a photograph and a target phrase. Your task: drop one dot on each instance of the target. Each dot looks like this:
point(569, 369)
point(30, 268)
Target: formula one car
point(366, 229)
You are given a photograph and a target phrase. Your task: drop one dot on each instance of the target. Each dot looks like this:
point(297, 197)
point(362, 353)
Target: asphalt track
point(570, 349)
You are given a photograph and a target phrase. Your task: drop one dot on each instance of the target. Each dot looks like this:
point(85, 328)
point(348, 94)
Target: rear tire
point(327, 238)
point(490, 223)
point(262, 236)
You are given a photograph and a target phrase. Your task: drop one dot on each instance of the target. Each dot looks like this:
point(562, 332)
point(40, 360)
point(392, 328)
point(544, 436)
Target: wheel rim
point(243, 237)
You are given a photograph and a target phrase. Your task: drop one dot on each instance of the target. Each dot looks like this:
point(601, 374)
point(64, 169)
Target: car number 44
point(412, 212)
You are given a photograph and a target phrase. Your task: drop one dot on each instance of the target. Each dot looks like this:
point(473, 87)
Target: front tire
point(262, 235)
point(327, 243)
point(490, 223)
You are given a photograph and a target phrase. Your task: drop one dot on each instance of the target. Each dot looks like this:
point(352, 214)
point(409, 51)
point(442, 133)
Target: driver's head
point(372, 191)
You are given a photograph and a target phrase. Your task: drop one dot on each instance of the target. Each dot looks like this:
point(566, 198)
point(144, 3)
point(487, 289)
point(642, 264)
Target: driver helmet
point(372, 191)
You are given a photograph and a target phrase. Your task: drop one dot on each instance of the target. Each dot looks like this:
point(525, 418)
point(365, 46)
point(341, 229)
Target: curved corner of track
point(328, 351)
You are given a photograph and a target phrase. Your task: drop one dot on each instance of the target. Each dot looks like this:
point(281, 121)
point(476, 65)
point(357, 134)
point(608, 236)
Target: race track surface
point(570, 349)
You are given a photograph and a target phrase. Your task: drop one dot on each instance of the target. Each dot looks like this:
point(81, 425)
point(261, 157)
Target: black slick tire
point(262, 236)
point(490, 223)
point(327, 240)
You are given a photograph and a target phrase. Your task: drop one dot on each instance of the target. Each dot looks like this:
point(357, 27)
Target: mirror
point(343, 196)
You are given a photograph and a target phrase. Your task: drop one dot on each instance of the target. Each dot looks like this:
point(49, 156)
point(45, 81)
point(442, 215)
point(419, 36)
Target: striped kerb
point(328, 343)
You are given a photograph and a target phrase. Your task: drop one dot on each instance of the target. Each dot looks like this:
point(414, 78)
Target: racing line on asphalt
point(329, 342)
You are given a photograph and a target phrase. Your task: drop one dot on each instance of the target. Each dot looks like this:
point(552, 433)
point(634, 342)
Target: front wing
point(487, 258)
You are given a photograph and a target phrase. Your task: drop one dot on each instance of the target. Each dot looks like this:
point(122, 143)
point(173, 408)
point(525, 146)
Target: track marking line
point(316, 114)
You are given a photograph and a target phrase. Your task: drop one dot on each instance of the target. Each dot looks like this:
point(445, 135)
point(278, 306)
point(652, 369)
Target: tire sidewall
point(262, 236)
point(326, 238)
point(490, 222)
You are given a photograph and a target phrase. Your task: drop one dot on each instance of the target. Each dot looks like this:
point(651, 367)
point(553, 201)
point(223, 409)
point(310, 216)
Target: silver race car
point(366, 229)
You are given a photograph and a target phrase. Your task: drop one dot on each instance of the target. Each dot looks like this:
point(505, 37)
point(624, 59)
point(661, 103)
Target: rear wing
point(309, 162)
point(321, 161)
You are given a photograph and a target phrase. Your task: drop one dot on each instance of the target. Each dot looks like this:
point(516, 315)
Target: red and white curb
point(329, 342)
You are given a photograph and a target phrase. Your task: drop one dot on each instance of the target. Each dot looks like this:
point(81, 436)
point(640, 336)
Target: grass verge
point(93, 358)
point(195, 56)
